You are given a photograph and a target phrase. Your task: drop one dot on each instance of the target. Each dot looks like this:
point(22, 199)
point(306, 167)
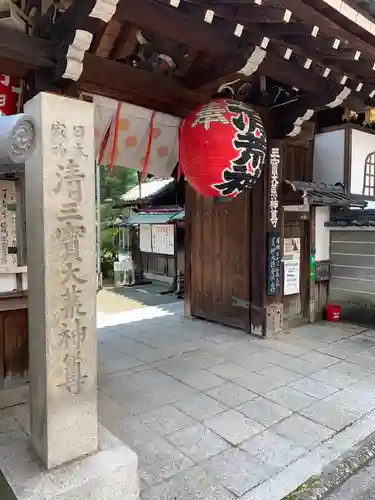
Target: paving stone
point(109, 412)
point(198, 442)
point(341, 375)
point(233, 426)
point(118, 364)
point(286, 348)
point(356, 401)
point(313, 388)
point(274, 357)
point(330, 414)
point(154, 423)
point(200, 406)
point(237, 470)
point(134, 404)
point(252, 362)
point(159, 460)
point(201, 380)
point(290, 398)
point(273, 450)
point(146, 353)
point(302, 431)
point(167, 351)
point(319, 360)
point(177, 367)
point(8, 436)
point(229, 370)
point(193, 484)
point(203, 359)
point(299, 366)
point(304, 342)
point(280, 376)
point(231, 394)
point(364, 359)
point(257, 382)
point(347, 327)
point(264, 411)
point(363, 340)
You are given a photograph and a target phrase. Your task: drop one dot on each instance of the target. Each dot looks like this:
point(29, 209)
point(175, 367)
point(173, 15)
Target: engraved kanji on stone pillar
point(61, 244)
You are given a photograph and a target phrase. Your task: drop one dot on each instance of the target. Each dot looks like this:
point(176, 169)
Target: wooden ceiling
point(173, 54)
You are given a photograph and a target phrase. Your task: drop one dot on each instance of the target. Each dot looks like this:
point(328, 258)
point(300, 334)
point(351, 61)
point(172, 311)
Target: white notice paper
point(291, 277)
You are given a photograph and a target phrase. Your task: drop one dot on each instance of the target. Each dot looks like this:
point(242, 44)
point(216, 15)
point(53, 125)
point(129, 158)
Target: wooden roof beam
point(201, 36)
point(138, 86)
point(80, 26)
point(341, 20)
point(302, 10)
point(22, 52)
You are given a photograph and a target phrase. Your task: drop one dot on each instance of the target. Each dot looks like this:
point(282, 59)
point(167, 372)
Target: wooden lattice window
point(369, 175)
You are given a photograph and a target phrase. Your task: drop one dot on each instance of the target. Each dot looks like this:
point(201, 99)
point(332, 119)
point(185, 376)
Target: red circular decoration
point(222, 148)
point(9, 94)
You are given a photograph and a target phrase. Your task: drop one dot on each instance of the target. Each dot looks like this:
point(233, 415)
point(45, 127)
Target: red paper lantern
point(222, 148)
point(9, 95)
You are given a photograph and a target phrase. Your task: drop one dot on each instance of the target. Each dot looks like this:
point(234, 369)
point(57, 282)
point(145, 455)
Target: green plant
point(108, 251)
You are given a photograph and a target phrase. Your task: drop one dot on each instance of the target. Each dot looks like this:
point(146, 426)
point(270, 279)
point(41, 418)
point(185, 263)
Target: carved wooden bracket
point(290, 118)
point(73, 31)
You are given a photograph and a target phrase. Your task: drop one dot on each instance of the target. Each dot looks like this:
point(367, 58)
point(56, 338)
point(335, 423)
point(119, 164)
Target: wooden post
point(265, 273)
point(187, 245)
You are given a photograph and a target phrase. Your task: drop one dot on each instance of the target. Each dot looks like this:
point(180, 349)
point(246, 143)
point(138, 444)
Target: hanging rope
point(179, 167)
point(115, 138)
point(149, 143)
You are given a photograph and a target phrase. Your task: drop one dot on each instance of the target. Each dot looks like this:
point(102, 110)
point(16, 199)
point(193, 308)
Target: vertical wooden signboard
point(273, 288)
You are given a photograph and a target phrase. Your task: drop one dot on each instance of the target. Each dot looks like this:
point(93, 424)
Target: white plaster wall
point(329, 157)
point(362, 143)
point(8, 282)
point(321, 234)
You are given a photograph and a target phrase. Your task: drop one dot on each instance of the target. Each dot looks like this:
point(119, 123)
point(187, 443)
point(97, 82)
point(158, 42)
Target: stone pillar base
point(109, 474)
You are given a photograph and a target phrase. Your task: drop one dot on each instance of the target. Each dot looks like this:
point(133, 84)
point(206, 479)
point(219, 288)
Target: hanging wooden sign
point(274, 179)
point(273, 264)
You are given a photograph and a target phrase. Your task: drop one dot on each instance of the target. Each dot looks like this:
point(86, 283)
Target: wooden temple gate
point(294, 59)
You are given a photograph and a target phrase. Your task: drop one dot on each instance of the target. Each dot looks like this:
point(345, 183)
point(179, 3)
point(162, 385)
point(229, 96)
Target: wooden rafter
point(341, 21)
point(28, 52)
point(306, 44)
point(311, 16)
point(82, 24)
point(107, 77)
point(179, 23)
point(207, 52)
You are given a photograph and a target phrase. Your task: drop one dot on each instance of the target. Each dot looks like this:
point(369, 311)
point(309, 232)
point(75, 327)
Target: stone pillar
point(61, 248)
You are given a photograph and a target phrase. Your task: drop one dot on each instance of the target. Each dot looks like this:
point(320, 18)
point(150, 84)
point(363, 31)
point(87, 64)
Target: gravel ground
point(359, 487)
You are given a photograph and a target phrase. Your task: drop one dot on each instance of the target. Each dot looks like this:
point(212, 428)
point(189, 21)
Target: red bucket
point(333, 312)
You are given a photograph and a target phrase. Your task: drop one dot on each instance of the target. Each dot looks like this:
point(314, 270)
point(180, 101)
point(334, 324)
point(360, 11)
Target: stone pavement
point(215, 414)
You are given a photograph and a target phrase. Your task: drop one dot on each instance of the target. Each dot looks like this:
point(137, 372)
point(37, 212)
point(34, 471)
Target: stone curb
point(337, 473)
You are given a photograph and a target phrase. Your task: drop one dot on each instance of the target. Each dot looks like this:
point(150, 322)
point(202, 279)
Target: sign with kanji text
point(274, 179)
point(273, 263)
point(222, 148)
point(10, 88)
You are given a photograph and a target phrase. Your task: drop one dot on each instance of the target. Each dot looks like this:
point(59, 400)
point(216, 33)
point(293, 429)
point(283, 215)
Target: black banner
point(273, 263)
point(322, 271)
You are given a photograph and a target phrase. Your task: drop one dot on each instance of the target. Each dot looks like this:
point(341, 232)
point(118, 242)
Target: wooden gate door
point(220, 260)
